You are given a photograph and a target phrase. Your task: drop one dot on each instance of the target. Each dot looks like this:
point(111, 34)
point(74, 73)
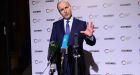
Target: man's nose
point(65, 10)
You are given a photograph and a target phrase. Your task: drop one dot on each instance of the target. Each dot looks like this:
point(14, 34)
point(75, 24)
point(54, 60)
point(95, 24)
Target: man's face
point(65, 10)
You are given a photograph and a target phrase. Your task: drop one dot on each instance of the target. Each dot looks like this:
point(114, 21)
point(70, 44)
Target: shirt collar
point(70, 20)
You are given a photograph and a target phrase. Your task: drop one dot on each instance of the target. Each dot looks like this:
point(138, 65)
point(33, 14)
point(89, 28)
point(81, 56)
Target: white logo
point(125, 62)
point(123, 15)
point(106, 5)
point(124, 38)
point(35, 2)
point(106, 27)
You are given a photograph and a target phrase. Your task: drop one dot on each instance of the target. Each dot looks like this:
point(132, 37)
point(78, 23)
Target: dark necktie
point(67, 27)
point(66, 64)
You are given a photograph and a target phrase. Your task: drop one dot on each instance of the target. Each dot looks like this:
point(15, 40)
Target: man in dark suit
point(84, 31)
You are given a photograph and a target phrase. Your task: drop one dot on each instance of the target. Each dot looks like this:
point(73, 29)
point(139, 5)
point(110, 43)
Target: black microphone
point(76, 45)
point(53, 48)
point(75, 53)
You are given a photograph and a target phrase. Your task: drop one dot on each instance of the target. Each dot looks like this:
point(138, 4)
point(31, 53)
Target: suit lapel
point(61, 31)
point(74, 26)
point(73, 30)
point(62, 27)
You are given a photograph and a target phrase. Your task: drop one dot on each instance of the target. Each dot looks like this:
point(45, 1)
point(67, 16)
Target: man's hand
point(89, 30)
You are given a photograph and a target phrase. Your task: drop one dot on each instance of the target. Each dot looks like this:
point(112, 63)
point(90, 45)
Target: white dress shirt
point(70, 23)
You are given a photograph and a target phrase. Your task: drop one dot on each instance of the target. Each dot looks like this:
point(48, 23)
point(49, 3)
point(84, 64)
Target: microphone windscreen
point(65, 41)
point(53, 46)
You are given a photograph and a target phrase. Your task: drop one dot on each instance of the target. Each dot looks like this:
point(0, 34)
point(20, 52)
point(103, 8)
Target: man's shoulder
point(58, 21)
point(79, 20)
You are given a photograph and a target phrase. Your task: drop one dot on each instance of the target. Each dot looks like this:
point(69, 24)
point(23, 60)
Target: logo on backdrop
point(127, 74)
point(37, 40)
point(48, 29)
point(76, 7)
point(79, 17)
point(38, 61)
point(109, 38)
point(92, 16)
point(92, 6)
point(96, 27)
point(125, 38)
point(38, 30)
point(126, 50)
point(108, 50)
point(126, 62)
point(38, 51)
point(107, 27)
point(37, 11)
point(110, 63)
point(110, 74)
point(126, 26)
point(108, 15)
point(49, 0)
point(36, 20)
point(123, 15)
point(94, 50)
point(50, 19)
point(106, 5)
point(126, 4)
point(49, 10)
point(35, 2)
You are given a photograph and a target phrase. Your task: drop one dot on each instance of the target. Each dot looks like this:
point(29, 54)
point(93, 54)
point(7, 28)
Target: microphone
point(53, 47)
point(76, 45)
point(75, 53)
point(64, 43)
point(64, 47)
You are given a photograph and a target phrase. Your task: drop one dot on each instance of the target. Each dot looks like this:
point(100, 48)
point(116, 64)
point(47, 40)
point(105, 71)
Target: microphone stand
point(76, 56)
point(64, 56)
point(53, 48)
point(62, 59)
point(52, 69)
point(52, 66)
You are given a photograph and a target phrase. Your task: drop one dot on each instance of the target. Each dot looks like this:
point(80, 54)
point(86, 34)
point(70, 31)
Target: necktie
point(66, 64)
point(67, 27)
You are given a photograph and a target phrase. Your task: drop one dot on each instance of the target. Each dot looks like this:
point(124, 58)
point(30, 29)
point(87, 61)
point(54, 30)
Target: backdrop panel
point(117, 29)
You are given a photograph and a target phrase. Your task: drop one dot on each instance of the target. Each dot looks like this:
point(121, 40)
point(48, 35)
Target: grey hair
point(65, 1)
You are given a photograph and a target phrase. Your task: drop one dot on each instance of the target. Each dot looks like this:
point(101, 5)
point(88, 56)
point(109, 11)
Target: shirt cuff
point(90, 38)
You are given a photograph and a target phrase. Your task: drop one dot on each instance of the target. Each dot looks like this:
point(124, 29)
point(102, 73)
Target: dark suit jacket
point(57, 35)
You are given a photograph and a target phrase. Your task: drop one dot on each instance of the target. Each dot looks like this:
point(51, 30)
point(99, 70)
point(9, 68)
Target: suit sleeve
point(52, 38)
point(89, 41)
point(53, 33)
